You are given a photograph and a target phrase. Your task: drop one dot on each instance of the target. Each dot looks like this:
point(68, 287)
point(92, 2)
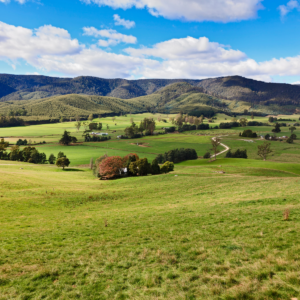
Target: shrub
point(267, 136)
point(167, 167)
point(249, 133)
point(290, 140)
point(207, 155)
point(237, 154)
point(294, 136)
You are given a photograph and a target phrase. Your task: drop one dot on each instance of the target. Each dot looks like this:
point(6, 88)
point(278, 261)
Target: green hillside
point(174, 98)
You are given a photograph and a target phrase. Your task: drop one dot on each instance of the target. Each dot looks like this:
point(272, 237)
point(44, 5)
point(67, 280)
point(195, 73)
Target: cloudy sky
point(152, 38)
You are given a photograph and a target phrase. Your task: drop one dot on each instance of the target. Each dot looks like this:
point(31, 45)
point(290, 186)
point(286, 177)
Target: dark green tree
point(66, 139)
point(155, 167)
point(52, 159)
point(277, 128)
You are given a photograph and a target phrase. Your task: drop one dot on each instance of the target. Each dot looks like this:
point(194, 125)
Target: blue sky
point(152, 38)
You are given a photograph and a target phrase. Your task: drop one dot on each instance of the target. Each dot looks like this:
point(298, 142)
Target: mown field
point(207, 230)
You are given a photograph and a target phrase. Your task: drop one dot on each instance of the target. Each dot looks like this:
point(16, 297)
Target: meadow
point(195, 233)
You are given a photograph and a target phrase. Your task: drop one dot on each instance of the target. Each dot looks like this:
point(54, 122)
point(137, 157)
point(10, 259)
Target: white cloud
point(291, 5)
point(7, 1)
point(191, 10)
point(113, 37)
point(122, 22)
point(52, 49)
point(189, 49)
point(297, 82)
point(22, 43)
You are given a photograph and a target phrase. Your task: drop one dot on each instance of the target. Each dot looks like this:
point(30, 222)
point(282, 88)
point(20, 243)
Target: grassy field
point(190, 236)
point(208, 230)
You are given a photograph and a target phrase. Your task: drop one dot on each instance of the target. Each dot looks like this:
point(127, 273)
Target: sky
point(135, 39)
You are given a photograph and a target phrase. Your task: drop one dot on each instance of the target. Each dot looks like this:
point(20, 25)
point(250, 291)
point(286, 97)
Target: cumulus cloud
point(189, 49)
point(291, 5)
point(22, 43)
point(52, 49)
point(191, 10)
point(112, 36)
point(122, 22)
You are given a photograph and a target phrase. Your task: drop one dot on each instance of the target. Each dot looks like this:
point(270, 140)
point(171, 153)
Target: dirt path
point(223, 151)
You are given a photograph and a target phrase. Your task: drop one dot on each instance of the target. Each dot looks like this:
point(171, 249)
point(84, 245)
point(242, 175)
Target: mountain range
point(51, 96)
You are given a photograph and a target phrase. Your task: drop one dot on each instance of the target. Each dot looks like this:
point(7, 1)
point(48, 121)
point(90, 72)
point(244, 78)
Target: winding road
point(223, 145)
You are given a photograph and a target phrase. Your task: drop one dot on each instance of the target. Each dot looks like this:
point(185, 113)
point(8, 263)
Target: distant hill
point(174, 98)
point(26, 87)
point(227, 94)
point(252, 91)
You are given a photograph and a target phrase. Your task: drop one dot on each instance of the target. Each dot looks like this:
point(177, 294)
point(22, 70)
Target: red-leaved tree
point(110, 167)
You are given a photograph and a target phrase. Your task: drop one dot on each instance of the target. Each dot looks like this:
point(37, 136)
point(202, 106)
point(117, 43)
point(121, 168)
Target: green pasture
point(190, 234)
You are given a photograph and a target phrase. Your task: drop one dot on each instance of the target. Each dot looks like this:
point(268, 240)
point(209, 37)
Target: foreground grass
point(197, 235)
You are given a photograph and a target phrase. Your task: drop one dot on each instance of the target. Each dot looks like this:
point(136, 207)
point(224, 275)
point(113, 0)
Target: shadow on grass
point(71, 170)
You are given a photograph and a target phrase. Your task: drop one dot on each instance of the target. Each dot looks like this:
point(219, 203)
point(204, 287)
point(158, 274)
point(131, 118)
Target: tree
point(78, 125)
point(290, 140)
point(3, 145)
point(267, 136)
point(292, 129)
point(110, 167)
point(264, 150)
point(243, 122)
point(293, 136)
point(252, 116)
point(93, 126)
point(60, 155)
point(52, 159)
point(63, 162)
point(277, 128)
point(271, 119)
point(67, 139)
point(155, 167)
point(131, 130)
point(215, 142)
point(90, 118)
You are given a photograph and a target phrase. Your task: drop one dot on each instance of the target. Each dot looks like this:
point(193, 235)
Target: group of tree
point(31, 155)
point(237, 154)
point(177, 155)
point(95, 138)
point(248, 133)
point(27, 154)
point(21, 142)
point(67, 139)
point(110, 167)
point(146, 126)
point(11, 121)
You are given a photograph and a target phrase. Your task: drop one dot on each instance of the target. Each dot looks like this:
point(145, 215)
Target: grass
point(190, 236)
point(195, 233)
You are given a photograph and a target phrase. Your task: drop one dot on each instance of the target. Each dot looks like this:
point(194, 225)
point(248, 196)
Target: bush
point(167, 167)
point(267, 137)
point(237, 154)
point(294, 136)
point(229, 125)
point(207, 155)
point(290, 140)
point(249, 133)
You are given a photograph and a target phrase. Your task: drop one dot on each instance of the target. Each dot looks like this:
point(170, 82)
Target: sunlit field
point(226, 229)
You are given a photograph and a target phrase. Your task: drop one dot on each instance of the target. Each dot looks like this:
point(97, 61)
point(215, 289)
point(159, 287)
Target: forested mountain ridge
point(228, 94)
point(26, 87)
point(253, 91)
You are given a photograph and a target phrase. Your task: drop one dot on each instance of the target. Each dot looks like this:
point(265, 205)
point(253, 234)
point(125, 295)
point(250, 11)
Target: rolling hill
point(55, 97)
